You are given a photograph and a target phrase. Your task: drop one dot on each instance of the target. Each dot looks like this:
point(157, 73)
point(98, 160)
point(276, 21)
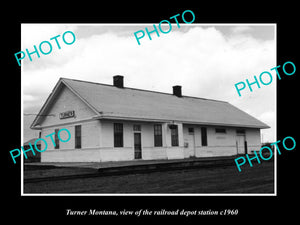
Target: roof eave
point(263, 126)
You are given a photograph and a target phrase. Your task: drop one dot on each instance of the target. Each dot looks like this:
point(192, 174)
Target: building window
point(221, 130)
point(78, 136)
point(56, 139)
point(174, 136)
point(204, 136)
point(136, 127)
point(157, 135)
point(118, 135)
point(191, 130)
point(240, 131)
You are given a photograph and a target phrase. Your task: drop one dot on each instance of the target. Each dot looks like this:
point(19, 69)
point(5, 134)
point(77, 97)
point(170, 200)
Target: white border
point(157, 194)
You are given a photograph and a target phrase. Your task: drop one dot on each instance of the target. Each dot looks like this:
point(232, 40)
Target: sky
point(207, 60)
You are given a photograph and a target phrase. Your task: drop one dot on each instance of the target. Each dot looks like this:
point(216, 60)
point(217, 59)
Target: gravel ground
point(226, 179)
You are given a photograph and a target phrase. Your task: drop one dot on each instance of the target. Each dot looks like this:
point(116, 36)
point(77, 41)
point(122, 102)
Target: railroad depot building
point(114, 123)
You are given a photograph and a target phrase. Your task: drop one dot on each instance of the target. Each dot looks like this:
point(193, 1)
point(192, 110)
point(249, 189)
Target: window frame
point(240, 131)
point(137, 128)
point(174, 136)
point(78, 137)
point(118, 135)
point(56, 139)
point(220, 130)
point(157, 132)
point(204, 136)
point(191, 130)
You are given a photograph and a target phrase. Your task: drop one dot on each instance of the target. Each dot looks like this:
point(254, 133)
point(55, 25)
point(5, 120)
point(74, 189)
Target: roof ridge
point(137, 89)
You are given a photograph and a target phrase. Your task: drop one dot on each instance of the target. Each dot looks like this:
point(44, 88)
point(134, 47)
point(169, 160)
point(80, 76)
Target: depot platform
point(205, 161)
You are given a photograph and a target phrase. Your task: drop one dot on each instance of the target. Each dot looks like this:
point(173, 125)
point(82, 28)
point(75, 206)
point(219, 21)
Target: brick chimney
point(118, 81)
point(177, 91)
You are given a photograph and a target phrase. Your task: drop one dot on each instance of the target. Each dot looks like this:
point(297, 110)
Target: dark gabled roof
point(108, 101)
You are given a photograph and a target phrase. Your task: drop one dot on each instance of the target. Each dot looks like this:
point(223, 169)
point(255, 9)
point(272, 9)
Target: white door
point(240, 142)
point(191, 142)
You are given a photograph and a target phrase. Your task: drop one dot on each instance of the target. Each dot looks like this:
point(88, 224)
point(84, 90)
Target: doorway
point(240, 144)
point(191, 142)
point(137, 146)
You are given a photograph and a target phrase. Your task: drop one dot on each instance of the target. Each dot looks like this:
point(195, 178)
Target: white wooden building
point(114, 123)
